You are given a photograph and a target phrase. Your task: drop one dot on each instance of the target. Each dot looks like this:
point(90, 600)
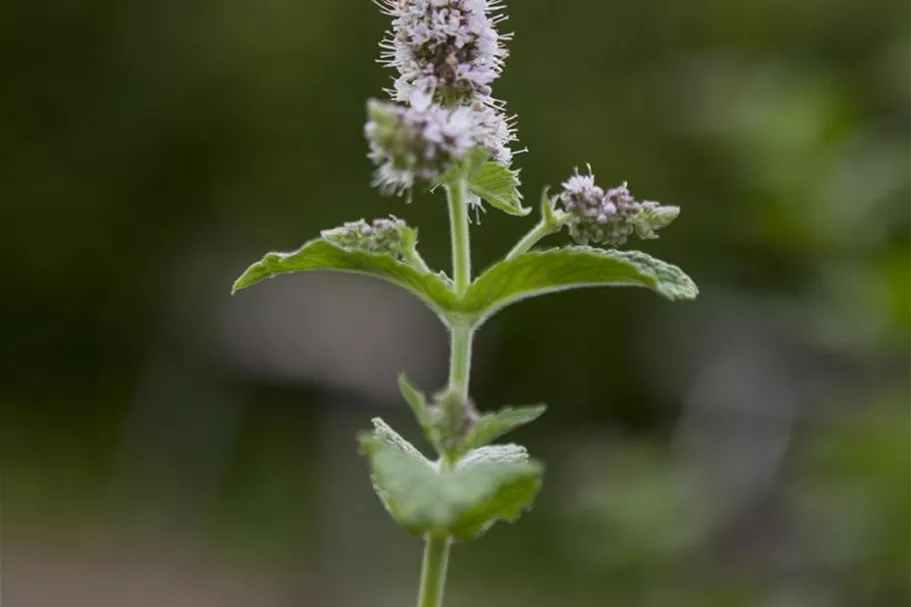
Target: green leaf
point(541, 272)
point(494, 483)
point(491, 426)
point(528, 275)
point(547, 207)
point(319, 254)
point(416, 400)
point(488, 484)
point(499, 187)
point(391, 438)
point(403, 479)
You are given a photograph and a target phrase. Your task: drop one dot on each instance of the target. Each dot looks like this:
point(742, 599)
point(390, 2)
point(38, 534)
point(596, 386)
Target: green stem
point(433, 573)
point(461, 244)
point(545, 227)
point(460, 360)
point(436, 550)
point(531, 239)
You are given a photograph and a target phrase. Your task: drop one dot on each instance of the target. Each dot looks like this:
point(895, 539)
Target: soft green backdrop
point(166, 444)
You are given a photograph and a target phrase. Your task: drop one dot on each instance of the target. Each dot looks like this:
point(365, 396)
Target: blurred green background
point(166, 444)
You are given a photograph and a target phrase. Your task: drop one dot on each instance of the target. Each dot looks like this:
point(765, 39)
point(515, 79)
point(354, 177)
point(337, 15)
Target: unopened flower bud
point(654, 217)
point(610, 217)
point(388, 235)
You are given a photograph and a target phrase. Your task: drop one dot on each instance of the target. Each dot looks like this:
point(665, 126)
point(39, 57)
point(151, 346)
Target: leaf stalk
point(552, 221)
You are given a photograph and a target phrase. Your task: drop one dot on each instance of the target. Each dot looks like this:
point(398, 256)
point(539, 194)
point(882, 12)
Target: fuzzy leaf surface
point(494, 483)
point(541, 272)
point(499, 187)
point(491, 426)
point(487, 485)
point(319, 254)
point(402, 477)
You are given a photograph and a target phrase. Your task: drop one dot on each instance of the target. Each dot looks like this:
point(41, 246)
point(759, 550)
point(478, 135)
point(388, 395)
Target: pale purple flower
point(610, 217)
point(495, 132)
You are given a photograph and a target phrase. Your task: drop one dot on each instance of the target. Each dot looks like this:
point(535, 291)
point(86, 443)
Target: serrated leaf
point(541, 272)
point(491, 426)
point(499, 187)
point(489, 484)
point(319, 254)
point(493, 455)
point(505, 483)
point(389, 437)
point(528, 275)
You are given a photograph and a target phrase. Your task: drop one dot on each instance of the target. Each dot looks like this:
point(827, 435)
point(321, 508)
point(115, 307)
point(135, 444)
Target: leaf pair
point(488, 484)
point(529, 275)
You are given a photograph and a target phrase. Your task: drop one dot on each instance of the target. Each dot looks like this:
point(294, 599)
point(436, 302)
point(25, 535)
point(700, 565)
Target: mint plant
point(443, 131)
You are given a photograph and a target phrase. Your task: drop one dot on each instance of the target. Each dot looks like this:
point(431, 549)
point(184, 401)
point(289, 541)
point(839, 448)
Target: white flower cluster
point(447, 53)
point(449, 48)
point(610, 217)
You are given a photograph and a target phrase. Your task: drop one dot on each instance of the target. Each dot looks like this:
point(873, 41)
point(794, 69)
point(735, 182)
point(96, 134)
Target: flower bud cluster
point(610, 217)
point(447, 53)
point(385, 235)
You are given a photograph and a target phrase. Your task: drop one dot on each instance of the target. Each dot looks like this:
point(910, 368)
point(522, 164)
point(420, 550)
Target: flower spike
point(448, 48)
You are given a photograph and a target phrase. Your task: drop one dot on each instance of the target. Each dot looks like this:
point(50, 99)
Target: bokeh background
point(166, 444)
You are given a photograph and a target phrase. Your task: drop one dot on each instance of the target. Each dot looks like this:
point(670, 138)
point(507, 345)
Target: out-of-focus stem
point(433, 572)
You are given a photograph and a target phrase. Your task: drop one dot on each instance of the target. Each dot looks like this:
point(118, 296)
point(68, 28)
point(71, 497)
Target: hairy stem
point(460, 360)
point(457, 192)
point(547, 226)
point(436, 549)
point(433, 572)
point(531, 239)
